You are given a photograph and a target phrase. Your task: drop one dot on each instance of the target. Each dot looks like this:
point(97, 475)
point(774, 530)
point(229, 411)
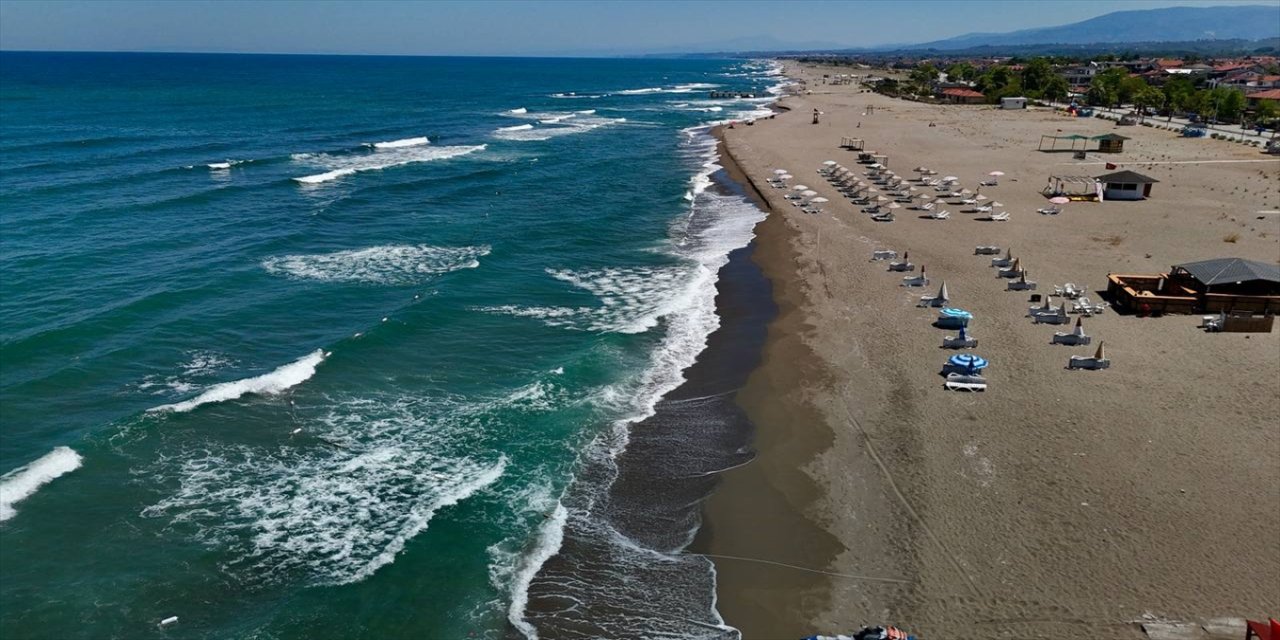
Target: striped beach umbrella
point(952, 312)
point(968, 361)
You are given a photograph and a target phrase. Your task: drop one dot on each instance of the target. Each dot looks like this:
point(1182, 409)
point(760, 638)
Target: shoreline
point(770, 571)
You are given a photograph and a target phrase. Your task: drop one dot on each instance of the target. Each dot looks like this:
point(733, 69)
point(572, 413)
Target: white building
point(1013, 103)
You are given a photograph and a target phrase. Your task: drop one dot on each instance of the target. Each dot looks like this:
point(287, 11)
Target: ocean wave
point(344, 165)
point(572, 95)
point(359, 479)
point(550, 538)
point(689, 87)
point(23, 482)
point(631, 299)
point(384, 264)
point(560, 124)
point(518, 111)
point(200, 364)
point(396, 144)
point(285, 377)
point(223, 166)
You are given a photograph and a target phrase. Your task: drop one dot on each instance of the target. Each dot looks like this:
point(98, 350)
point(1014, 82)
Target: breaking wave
point(23, 482)
point(346, 164)
point(384, 264)
point(396, 144)
point(285, 377)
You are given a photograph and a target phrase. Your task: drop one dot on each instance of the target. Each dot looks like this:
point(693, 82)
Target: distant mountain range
point(1178, 24)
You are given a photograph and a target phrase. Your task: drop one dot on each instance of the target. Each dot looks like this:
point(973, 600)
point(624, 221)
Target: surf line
point(799, 568)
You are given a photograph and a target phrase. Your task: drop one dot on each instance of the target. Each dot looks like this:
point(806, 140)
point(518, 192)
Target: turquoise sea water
point(337, 347)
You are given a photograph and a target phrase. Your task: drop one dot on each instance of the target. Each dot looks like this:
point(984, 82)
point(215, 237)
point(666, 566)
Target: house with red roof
point(1269, 95)
point(957, 95)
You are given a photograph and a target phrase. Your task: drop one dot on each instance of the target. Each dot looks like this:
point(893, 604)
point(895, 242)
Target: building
point(1270, 95)
point(1013, 103)
point(1110, 142)
point(961, 96)
point(1126, 185)
point(1220, 285)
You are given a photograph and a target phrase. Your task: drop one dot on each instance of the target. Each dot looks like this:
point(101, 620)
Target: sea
point(351, 347)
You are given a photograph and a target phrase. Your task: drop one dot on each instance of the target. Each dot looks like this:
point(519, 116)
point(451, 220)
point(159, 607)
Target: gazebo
point(1126, 185)
point(1107, 142)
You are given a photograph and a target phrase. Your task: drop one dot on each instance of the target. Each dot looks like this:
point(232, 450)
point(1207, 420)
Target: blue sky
point(484, 27)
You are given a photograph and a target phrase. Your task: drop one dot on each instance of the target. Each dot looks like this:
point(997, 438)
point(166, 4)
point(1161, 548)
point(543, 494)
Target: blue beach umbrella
point(959, 314)
point(968, 362)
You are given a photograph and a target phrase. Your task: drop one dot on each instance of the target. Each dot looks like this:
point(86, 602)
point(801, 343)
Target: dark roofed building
point(1126, 185)
point(1110, 142)
point(1232, 275)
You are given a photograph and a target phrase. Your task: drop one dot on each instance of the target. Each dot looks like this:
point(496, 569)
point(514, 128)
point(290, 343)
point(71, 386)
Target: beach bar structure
point(1074, 187)
point(852, 144)
point(1220, 285)
point(1126, 185)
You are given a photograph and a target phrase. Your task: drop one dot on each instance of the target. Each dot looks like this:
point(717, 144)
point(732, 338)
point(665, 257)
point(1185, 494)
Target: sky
point(528, 28)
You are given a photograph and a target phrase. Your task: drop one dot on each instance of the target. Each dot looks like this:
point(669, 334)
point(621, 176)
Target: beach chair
point(962, 341)
point(921, 280)
point(1049, 211)
point(1098, 361)
point(883, 217)
point(1021, 284)
point(1014, 270)
point(984, 208)
point(939, 300)
point(883, 254)
point(902, 266)
point(990, 182)
point(940, 215)
point(1056, 316)
point(969, 201)
point(928, 206)
point(986, 250)
point(1075, 338)
point(965, 382)
point(999, 217)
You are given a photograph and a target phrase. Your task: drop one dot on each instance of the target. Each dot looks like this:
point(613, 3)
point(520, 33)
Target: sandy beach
point(1059, 504)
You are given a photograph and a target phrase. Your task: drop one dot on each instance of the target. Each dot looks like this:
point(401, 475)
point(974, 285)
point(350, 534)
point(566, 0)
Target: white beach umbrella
point(809, 194)
point(799, 187)
point(786, 176)
point(996, 204)
point(950, 179)
point(819, 199)
point(996, 173)
point(779, 171)
point(894, 205)
point(980, 197)
point(830, 163)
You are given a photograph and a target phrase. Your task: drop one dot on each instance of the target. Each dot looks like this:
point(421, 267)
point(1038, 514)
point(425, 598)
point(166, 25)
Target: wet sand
point(1060, 504)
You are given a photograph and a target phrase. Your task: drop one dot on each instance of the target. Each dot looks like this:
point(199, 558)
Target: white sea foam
point(384, 264)
point(199, 365)
point(285, 377)
point(550, 537)
point(574, 95)
point(559, 124)
point(223, 166)
point(406, 142)
point(689, 87)
point(346, 164)
point(23, 482)
point(361, 478)
point(519, 110)
point(639, 92)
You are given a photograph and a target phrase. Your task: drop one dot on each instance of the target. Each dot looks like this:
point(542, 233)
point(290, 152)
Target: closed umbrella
point(1100, 354)
point(819, 199)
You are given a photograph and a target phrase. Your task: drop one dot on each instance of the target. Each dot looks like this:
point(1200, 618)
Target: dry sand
point(1059, 504)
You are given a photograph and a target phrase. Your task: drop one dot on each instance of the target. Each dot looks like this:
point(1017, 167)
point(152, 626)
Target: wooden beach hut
point(1110, 142)
point(1126, 185)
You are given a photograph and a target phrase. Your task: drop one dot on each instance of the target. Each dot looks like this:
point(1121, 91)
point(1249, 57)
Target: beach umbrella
point(968, 361)
point(965, 192)
point(963, 335)
point(1008, 253)
point(996, 173)
point(830, 163)
point(980, 198)
point(799, 187)
point(942, 292)
point(779, 171)
point(786, 176)
point(1101, 353)
point(950, 179)
point(809, 193)
point(1079, 332)
point(1060, 200)
point(996, 204)
point(819, 199)
point(894, 205)
point(881, 199)
point(919, 169)
point(922, 196)
point(1062, 308)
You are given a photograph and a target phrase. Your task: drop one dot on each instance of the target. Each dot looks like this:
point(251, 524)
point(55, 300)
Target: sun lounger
point(969, 201)
point(986, 208)
point(1050, 318)
point(903, 266)
point(989, 183)
point(928, 206)
point(916, 281)
point(884, 254)
point(986, 250)
point(940, 215)
point(1011, 272)
point(1049, 211)
point(963, 382)
point(1081, 362)
point(1021, 284)
point(883, 217)
point(957, 342)
point(1071, 339)
point(999, 217)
